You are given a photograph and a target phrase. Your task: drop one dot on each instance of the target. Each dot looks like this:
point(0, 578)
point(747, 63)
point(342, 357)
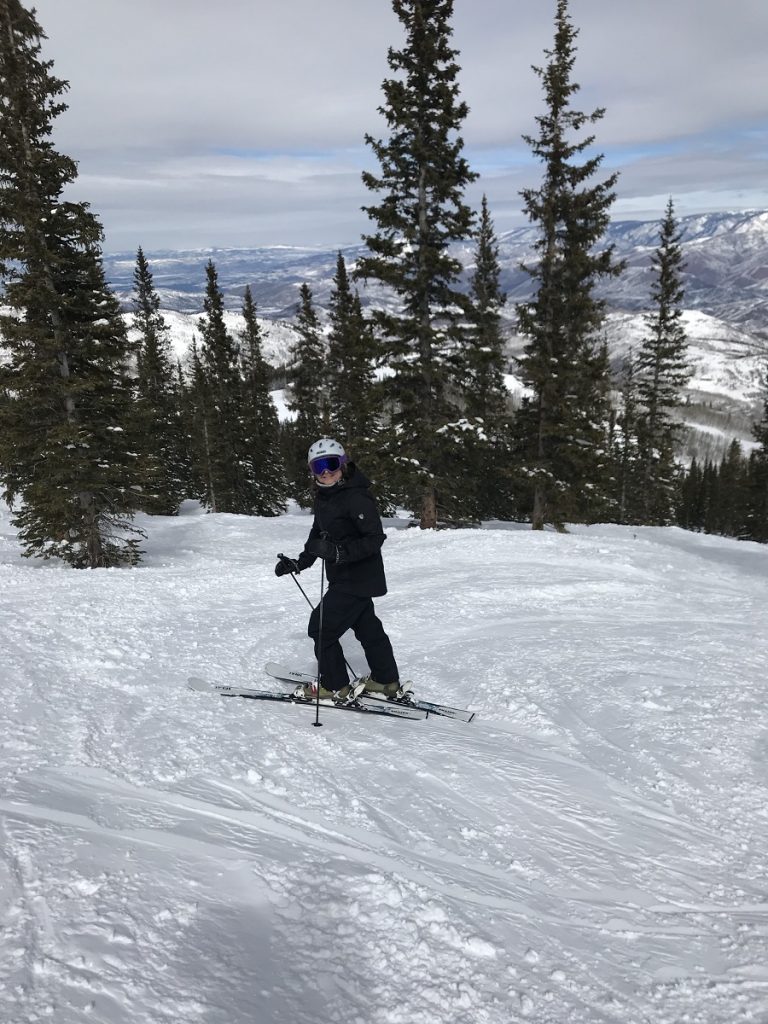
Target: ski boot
point(346, 695)
point(397, 691)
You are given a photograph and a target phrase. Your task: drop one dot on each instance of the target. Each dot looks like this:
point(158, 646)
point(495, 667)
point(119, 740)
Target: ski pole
point(295, 580)
point(293, 577)
point(319, 644)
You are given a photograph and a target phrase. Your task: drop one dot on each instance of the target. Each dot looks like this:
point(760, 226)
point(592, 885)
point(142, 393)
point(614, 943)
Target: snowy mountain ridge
point(726, 282)
point(726, 298)
point(726, 274)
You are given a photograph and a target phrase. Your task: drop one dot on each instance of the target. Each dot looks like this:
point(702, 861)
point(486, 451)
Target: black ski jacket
point(346, 514)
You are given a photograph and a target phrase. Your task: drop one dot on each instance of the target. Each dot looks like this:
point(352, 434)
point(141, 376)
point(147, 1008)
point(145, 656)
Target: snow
point(590, 850)
point(725, 436)
point(284, 414)
point(277, 337)
point(516, 387)
point(725, 361)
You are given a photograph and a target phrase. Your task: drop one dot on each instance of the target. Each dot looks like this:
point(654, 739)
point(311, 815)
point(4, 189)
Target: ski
point(288, 675)
point(250, 693)
point(443, 710)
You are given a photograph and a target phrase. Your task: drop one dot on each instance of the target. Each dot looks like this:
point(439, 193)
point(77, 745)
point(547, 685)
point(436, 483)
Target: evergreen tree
point(357, 410)
point(716, 499)
point(195, 413)
point(484, 394)
point(307, 396)
point(162, 469)
point(625, 448)
point(690, 510)
point(733, 490)
point(698, 496)
point(757, 502)
point(183, 403)
point(64, 446)
point(353, 405)
point(230, 483)
point(420, 212)
point(562, 429)
point(262, 434)
point(710, 498)
point(308, 369)
point(662, 374)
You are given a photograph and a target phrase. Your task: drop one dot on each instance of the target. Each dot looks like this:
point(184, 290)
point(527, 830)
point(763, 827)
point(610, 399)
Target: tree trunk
point(428, 510)
point(539, 497)
point(209, 466)
point(93, 537)
point(539, 508)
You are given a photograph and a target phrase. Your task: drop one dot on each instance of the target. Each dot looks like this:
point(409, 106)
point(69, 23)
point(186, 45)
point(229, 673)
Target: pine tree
point(487, 437)
point(183, 403)
point(757, 501)
point(353, 405)
point(421, 211)
point(689, 513)
point(662, 374)
point(562, 429)
point(710, 498)
point(196, 416)
point(355, 400)
point(307, 396)
point(230, 482)
point(485, 394)
point(64, 444)
point(625, 447)
point(732, 511)
point(162, 470)
point(262, 435)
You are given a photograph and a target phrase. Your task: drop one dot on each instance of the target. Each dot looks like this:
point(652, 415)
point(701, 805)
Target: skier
point(347, 533)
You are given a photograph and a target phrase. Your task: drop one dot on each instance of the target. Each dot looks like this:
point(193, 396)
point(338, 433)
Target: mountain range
point(726, 303)
point(726, 272)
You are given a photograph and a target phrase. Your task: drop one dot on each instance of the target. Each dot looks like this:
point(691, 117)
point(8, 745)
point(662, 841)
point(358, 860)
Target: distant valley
point(726, 300)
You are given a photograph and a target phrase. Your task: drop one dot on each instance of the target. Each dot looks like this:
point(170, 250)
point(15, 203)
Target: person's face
point(329, 477)
point(326, 469)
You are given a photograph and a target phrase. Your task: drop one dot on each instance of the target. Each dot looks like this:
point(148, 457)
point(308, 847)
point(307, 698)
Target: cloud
point(243, 123)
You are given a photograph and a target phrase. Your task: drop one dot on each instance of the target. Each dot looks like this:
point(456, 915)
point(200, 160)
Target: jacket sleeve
point(367, 523)
point(306, 559)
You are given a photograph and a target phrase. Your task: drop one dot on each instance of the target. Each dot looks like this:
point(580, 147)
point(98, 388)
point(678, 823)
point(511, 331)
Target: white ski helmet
point(326, 446)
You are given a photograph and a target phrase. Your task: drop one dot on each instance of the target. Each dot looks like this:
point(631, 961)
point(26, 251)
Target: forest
point(95, 428)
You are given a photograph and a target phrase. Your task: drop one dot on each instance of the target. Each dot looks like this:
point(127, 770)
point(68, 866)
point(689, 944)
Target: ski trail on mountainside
point(590, 850)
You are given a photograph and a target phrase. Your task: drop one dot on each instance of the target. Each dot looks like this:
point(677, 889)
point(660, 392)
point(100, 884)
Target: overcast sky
point(201, 123)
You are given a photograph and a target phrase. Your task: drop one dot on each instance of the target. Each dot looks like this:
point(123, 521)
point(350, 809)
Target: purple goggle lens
point(325, 462)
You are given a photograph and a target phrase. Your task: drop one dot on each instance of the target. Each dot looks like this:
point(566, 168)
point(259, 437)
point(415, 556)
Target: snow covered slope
point(278, 338)
point(726, 363)
point(591, 850)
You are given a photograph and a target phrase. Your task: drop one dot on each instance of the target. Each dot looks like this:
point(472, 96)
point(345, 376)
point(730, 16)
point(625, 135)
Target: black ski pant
point(349, 611)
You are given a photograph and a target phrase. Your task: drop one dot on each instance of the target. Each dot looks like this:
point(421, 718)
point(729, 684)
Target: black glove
point(304, 561)
point(326, 549)
point(286, 565)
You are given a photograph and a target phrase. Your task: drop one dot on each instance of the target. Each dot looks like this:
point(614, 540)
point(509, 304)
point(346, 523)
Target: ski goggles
point(329, 463)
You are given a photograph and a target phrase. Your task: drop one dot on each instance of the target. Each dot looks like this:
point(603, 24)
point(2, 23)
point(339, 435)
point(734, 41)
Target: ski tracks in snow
point(441, 900)
point(588, 851)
